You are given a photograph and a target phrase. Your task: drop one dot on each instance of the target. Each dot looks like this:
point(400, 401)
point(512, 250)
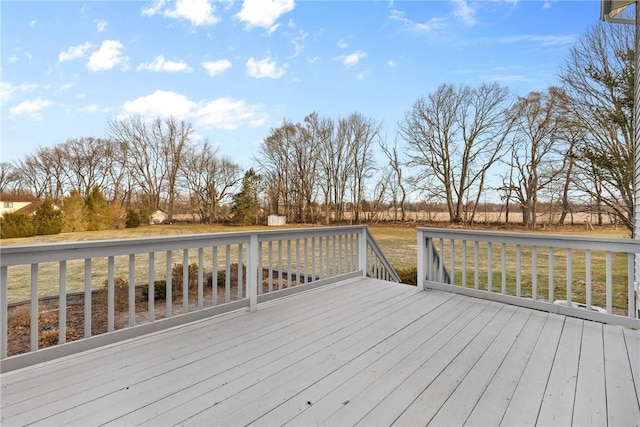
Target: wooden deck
point(359, 352)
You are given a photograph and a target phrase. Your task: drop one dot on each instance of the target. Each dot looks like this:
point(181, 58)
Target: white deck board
point(361, 352)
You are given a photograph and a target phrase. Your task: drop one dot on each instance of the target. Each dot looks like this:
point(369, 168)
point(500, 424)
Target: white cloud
point(313, 59)
point(6, 90)
point(216, 67)
point(353, 58)
point(161, 64)
point(31, 109)
point(227, 113)
point(298, 43)
point(264, 68)
point(263, 13)
point(108, 56)
point(161, 103)
point(91, 108)
point(464, 12)
point(197, 12)
point(100, 25)
point(343, 44)
point(392, 63)
point(550, 40)
point(74, 52)
point(433, 24)
point(13, 58)
point(33, 23)
point(222, 113)
point(360, 75)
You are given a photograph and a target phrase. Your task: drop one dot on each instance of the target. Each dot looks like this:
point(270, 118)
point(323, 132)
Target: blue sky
point(235, 69)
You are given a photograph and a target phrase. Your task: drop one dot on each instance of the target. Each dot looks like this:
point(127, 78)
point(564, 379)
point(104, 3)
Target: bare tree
point(598, 77)
point(87, 162)
point(210, 180)
point(396, 184)
point(455, 136)
point(538, 149)
point(359, 133)
point(154, 153)
point(9, 181)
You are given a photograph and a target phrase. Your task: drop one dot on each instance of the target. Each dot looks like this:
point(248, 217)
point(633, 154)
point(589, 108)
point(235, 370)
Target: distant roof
point(8, 197)
point(29, 209)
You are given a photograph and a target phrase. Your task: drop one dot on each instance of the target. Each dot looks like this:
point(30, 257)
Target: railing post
point(362, 251)
point(421, 260)
point(252, 272)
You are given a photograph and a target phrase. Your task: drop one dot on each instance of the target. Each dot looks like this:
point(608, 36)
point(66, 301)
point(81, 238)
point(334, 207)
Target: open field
point(397, 241)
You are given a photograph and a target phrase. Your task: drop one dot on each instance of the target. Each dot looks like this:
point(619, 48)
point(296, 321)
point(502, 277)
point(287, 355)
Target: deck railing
point(590, 278)
point(174, 280)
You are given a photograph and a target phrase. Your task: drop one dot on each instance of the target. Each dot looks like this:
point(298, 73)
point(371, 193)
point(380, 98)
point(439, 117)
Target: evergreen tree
point(48, 219)
point(133, 219)
point(16, 225)
point(98, 214)
point(75, 212)
point(245, 207)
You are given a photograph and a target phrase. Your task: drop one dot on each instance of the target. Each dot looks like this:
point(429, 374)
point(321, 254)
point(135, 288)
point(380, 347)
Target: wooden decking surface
point(361, 352)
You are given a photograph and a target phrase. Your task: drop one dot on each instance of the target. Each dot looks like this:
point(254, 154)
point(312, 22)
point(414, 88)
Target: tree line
point(567, 145)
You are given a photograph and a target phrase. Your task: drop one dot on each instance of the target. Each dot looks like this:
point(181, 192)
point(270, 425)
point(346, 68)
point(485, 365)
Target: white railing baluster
point(185, 280)
point(518, 270)
point(503, 254)
point(333, 265)
point(631, 310)
point(214, 276)
point(476, 265)
point(587, 268)
point(168, 286)
point(489, 267)
point(260, 267)
point(569, 276)
point(464, 263)
point(240, 278)
point(254, 277)
point(227, 274)
point(305, 260)
point(4, 314)
point(87, 297)
point(270, 267)
point(279, 264)
point(313, 258)
point(151, 295)
point(131, 294)
point(328, 260)
point(534, 272)
point(453, 260)
point(551, 267)
point(200, 278)
point(298, 281)
point(609, 283)
point(289, 281)
point(111, 294)
point(62, 303)
point(441, 263)
point(34, 326)
point(340, 254)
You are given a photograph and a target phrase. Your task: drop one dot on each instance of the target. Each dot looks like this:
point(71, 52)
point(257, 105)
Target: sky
point(236, 69)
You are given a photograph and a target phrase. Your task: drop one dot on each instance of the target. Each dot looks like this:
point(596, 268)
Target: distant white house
point(275, 220)
point(158, 217)
point(13, 203)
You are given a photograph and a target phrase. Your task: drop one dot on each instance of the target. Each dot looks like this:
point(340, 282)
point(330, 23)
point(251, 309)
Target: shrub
point(47, 219)
point(176, 276)
point(408, 275)
point(222, 275)
point(133, 219)
point(160, 290)
point(16, 225)
point(121, 286)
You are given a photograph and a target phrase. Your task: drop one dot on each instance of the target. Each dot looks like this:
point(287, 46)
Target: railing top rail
point(549, 240)
point(46, 252)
